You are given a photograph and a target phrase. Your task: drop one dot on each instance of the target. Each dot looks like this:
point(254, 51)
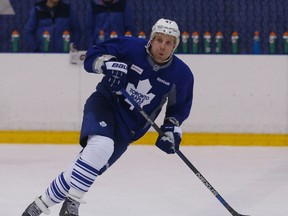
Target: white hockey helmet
point(165, 26)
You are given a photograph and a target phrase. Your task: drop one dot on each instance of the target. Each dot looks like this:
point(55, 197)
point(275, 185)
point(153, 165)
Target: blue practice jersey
point(150, 85)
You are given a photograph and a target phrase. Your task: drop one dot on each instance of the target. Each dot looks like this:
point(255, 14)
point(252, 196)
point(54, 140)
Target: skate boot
point(69, 208)
point(36, 208)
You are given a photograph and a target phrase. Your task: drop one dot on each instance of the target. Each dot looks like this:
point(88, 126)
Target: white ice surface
point(147, 182)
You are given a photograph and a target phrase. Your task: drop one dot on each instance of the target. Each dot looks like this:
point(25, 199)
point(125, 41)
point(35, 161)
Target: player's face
point(162, 47)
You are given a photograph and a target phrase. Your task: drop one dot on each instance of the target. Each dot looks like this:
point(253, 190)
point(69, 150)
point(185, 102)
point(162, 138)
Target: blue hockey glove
point(115, 75)
point(170, 142)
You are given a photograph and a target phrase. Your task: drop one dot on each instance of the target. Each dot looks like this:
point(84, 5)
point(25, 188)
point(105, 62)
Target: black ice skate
point(69, 208)
point(36, 208)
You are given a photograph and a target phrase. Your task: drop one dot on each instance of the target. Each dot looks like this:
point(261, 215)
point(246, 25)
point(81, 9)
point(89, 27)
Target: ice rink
point(147, 182)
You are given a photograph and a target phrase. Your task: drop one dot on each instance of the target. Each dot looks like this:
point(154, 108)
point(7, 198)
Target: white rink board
point(232, 94)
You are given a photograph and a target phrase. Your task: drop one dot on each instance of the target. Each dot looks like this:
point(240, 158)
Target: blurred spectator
point(108, 16)
point(55, 17)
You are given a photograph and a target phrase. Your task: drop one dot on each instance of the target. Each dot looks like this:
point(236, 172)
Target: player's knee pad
point(98, 151)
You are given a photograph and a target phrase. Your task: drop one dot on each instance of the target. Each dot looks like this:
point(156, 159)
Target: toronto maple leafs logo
point(140, 94)
point(103, 124)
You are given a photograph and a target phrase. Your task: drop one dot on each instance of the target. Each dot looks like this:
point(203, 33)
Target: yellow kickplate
point(72, 137)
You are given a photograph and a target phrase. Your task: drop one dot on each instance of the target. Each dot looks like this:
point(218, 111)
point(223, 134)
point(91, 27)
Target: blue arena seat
point(243, 16)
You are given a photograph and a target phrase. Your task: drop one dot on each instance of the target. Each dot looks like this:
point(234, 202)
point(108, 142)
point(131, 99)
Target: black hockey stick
point(181, 155)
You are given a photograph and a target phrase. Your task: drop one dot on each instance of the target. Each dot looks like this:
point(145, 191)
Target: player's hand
point(115, 75)
point(170, 142)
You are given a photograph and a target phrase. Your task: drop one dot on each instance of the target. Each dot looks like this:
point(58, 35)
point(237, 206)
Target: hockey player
point(152, 75)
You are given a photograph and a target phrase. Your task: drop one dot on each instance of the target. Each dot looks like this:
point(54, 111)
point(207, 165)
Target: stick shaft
point(207, 184)
point(181, 155)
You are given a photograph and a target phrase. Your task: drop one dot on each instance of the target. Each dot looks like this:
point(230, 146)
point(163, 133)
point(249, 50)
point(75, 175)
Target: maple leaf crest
point(140, 94)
